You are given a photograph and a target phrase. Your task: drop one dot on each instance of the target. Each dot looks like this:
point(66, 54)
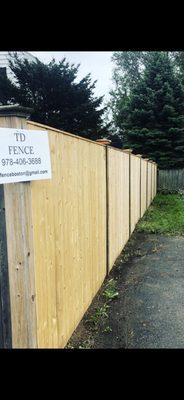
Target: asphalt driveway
point(149, 309)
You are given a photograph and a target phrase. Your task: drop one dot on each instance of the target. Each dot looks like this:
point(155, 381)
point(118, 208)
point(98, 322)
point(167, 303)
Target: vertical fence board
point(153, 181)
point(156, 172)
point(143, 186)
point(118, 185)
point(149, 184)
point(21, 264)
point(135, 191)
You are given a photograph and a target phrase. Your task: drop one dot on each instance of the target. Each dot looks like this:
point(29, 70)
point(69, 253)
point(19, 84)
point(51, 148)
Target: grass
point(165, 216)
point(110, 291)
point(101, 312)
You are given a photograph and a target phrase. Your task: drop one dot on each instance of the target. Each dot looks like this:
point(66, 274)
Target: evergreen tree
point(6, 90)
point(152, 119)
point(55, 96)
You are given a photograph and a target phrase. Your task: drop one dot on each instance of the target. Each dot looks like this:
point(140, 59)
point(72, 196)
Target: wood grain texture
point(5, 312)
point(19, 232)
point(149, 193)
point(156, 173)
point(153, 181)
point(69, 222)
point(118, 193)
point(57, 233)
point(135, 191)
point(143, 186)
point(21, 264)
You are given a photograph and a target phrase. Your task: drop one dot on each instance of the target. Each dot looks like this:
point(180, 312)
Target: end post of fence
point(19, 243)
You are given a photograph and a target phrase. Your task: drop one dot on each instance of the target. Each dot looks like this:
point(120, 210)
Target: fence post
point(106, 142)
point(20, 251)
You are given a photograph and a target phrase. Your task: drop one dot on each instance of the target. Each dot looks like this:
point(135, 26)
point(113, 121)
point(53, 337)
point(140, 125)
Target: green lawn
point(164, 216)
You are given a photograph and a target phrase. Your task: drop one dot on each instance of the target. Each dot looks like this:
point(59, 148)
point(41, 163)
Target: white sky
point(98, 63)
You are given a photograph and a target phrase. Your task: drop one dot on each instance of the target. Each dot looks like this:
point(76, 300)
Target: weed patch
point(110, 291)
point(164, 216)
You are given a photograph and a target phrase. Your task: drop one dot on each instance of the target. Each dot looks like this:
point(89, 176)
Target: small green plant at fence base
point(107, 329)
point(100, 313)
point(110, 291)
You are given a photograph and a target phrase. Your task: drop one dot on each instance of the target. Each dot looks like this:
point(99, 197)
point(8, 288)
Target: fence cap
point(15, 110)
point(127, 150)
point(104, 141)
point(138, 155)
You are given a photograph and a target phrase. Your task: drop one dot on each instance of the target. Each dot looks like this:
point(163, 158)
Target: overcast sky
point(98, 63)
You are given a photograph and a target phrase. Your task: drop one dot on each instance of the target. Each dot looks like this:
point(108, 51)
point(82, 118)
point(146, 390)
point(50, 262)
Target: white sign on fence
point(24, 155)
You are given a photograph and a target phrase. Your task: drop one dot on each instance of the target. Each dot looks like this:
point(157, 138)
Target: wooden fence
point(118, 202)
point(63, 235)
point(171, 179)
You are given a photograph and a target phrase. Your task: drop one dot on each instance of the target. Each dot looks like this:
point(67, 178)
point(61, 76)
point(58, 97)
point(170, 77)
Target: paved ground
point(149, 311)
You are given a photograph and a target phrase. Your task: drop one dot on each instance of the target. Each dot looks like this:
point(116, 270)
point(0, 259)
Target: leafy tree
point(55, 96)
point(128, 68)
point(127, 72)
point(178, 62)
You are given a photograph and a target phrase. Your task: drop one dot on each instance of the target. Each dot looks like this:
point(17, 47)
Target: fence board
point(135, 191)
point(149, 194)
point(152, 181)
point(143, 186)
point(118, 198)
point(155, 179)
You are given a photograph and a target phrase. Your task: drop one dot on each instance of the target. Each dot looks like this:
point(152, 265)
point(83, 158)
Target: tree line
point(146, 106)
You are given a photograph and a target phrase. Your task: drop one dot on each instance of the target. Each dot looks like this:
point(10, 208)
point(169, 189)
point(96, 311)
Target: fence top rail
point(50, 128)
point(135, 155)
point(117, 149)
